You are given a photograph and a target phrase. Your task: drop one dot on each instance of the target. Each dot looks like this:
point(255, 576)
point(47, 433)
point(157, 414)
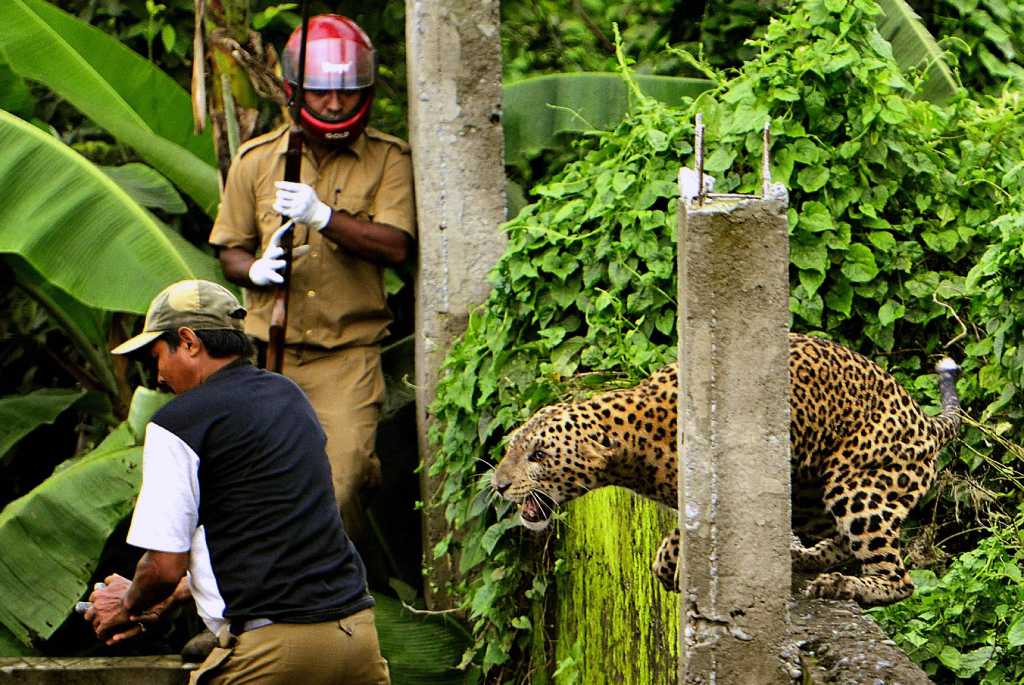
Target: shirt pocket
point(358, 205)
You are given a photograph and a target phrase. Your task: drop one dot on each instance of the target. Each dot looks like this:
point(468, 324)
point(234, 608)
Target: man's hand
point(107, 614)
point(299, 201)
point(109, 618)
point(264, 270)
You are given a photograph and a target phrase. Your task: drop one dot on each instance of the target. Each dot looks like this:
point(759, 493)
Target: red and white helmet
point(339, 56)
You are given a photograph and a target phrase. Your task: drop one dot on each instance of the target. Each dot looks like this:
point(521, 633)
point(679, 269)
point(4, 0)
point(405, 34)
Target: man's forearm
point(378, 243)
point(235, 263)
point(157, 577)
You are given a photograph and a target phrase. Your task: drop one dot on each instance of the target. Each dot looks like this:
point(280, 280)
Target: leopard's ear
point(598, 450)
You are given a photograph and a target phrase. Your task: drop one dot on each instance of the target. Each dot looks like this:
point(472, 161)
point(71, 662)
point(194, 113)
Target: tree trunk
point(612, 617)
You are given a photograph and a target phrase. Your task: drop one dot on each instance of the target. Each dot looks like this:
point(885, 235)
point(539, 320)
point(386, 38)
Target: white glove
point(299, 201)
point(264, 270)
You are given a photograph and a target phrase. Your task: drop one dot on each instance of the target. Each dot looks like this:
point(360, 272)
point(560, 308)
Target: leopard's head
point(558, 454)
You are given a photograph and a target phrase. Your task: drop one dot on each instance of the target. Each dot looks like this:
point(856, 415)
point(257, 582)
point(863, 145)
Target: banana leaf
point(421, 650)
point(10, 646)
point(88, 328)
point(538, 109)
point(914, 47)
point(22, 414)
point(52, 537)
point(80, 231)
point(118, 89)
point(146, 186)
point(14, 93)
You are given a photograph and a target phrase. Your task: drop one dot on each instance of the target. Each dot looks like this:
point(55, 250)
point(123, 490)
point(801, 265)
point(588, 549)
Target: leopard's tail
point(946, 425)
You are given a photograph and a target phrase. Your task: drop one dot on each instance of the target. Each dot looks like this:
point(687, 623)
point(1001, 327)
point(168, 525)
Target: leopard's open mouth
point(535, 510)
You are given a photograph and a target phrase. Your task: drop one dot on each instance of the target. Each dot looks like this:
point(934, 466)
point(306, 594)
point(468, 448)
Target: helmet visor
point(332, 64)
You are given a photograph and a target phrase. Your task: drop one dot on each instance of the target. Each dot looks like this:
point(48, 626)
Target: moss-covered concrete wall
point(625, 623)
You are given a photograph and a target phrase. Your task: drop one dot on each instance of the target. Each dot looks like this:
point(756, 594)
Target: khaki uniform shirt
point(336, 299)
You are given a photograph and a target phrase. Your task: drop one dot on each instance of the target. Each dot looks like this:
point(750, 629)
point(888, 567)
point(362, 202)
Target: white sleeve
point(167, 511)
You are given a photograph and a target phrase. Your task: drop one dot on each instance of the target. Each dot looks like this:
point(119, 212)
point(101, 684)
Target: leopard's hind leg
point(869, 504)
point(824, 547)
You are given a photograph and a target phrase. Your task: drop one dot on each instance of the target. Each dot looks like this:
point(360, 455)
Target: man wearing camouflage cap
point(237, 492)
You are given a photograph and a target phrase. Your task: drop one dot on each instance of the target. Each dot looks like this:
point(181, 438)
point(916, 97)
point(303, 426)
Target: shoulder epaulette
point(259, 141)
point(387, 138)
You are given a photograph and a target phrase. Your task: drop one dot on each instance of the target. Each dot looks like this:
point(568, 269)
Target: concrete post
point(453, 55)
point(734, 482)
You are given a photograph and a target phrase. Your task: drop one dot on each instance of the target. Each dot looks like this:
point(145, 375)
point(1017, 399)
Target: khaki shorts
point(341, 652)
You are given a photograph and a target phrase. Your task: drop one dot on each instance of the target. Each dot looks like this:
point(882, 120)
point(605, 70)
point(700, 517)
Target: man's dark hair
point(218, 343)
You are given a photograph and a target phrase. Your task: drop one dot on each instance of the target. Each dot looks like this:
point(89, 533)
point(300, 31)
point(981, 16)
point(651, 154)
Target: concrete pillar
point(734, 483)
point(453, 55)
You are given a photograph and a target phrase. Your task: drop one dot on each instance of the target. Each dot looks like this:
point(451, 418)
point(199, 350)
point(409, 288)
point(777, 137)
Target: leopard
point(862, 453)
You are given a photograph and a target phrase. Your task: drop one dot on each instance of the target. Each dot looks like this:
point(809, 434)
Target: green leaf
point(147, 187)
point(420, 649)
point(941, 241)
point(494, 532)
point(950, 657)
point(811, 280)
point(890, 311)
point(22, 414)
point(814, 216)
point(78, 229)
point(10, 646)
point(812, 179)
point(720, 160)
point(168, 37)
point(118, 89)
point(15, 96)
point(538, 109)
point(971, 662)
point(840, 298)
point(882, 240)
point(45, 567)
point(859, 265)
point(807, 252)
point(915, 48)
point(1015, 634)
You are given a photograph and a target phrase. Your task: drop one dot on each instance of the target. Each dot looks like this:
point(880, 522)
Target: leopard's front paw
point(666, 563)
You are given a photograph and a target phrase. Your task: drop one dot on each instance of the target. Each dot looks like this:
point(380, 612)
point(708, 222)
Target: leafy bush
point(893, 201)
point(968, 625)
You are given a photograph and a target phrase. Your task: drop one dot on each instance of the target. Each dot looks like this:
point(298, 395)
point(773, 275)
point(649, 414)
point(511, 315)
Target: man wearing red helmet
point(354, 215)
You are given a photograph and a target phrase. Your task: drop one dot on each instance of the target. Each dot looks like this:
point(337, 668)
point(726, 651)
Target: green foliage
point(53, 536)
point(539, 110)
point(134, 101)
point(50, 188)
point(968, 625)
point(421, 650)
point(545, 36)
point(21, 414)
point(987, 36)
point(893, 200)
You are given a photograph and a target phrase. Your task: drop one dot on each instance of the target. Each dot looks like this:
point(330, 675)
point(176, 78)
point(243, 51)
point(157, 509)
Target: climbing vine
point(904, 244)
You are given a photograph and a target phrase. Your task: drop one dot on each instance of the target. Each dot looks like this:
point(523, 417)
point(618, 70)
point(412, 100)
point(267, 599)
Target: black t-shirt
point(238, 465)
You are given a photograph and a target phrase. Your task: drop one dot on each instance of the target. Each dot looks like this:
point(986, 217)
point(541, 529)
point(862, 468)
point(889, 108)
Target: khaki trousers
point(346, 388)
point(342, 652)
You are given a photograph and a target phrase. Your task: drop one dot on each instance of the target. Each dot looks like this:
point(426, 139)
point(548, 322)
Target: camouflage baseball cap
point(199, 305)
